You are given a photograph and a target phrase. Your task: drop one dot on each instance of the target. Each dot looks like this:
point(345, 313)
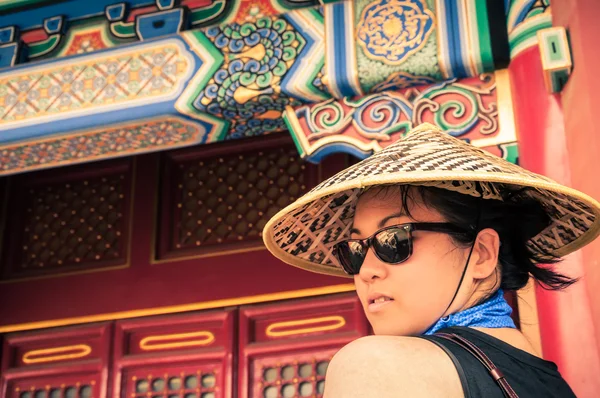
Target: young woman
point(433, 231)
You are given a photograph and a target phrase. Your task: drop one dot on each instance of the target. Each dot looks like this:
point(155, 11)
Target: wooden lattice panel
point(222, 201)
point(178, 382)
point(56, 387)
point(228, 199)
point(69, 222)
point(73, 223)
point(296, 375)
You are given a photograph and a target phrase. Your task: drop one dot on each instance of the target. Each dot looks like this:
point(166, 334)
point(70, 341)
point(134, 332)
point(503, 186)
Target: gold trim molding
point(260, 298)
point(324, 323)
point(153, 343)
point(57, 354)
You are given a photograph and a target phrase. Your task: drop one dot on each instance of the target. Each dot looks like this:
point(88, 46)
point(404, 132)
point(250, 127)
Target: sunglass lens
point(351, 255)
point(393, 245)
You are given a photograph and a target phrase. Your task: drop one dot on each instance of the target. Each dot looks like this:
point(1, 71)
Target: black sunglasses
point(392, 245)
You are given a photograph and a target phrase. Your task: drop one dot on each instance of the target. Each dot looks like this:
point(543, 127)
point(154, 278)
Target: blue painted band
point(343, 75)
point(71, 10)
point(524, 11)
point(291, 75)
point(87, 122)
point(454, 41)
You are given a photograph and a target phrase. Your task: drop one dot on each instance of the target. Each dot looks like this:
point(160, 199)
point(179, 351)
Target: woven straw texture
point(303, 234)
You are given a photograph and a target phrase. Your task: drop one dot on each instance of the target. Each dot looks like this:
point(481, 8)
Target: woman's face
point(420, 289)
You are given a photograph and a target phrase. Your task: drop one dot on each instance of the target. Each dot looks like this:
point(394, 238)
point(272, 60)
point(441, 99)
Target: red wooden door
point(279, 349)
point(184, 355)
point(285, 347)
point(62, 363)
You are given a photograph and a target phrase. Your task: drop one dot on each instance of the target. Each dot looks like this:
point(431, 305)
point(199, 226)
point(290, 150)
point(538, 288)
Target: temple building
point(144, 144)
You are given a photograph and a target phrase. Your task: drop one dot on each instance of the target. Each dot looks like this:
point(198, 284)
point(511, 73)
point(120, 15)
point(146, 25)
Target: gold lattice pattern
point(294, 380)
point(69, 390)
point(229, 199)
point(73, 223)
point(78, 84)
point(182, 385)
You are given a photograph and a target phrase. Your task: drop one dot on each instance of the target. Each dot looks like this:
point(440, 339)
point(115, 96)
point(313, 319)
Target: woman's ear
point(484, 259)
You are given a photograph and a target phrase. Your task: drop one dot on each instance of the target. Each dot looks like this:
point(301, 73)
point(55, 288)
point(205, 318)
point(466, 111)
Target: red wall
point(566, 326)
point(246, 273)
point(581, 107)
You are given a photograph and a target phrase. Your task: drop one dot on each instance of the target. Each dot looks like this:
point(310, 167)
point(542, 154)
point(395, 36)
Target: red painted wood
point(207, 370)
point(566, 321)
point(581, 102)
point(34, 36)
point(137, 371)
point(3, 214)
point(289, 367)
point(261, 354)
point(145, 285)
point(177, 163)
point(140, 11)
point(89, 372)
point(192, 4)
point(84, 384)
point(19, 201)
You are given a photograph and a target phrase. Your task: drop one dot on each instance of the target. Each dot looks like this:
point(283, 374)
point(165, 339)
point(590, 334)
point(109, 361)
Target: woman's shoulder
point(389, 366)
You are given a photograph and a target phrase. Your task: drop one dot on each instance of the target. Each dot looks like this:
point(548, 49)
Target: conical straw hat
point(304, 233)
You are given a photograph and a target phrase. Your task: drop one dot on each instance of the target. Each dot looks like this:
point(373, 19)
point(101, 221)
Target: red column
point(566, 319)
point(581, 105)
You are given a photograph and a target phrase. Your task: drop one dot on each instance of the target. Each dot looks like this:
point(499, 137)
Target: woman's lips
point(378, 304)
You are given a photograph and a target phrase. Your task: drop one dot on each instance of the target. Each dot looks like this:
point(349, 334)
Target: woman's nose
point(372, 267)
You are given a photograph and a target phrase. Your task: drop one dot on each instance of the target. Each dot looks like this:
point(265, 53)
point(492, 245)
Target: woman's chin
point(388, 329)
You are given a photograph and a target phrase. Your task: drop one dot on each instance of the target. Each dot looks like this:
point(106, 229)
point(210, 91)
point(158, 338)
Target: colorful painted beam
point(221, 83)
point(400, 43)
point(372, 38)
point(132, 100)
point(226, 82)
point(128, 84)
point(65, 28)
point(477, 109)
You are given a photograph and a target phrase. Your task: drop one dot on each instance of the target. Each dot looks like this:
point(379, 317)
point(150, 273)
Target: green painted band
point(10, 4)
point(526, 34)
point(40, 48)
point(293, 133)
point(124, 30)
point(485, 40)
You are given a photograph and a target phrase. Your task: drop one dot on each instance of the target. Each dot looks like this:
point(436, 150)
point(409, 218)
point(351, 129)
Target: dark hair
point(516, 220)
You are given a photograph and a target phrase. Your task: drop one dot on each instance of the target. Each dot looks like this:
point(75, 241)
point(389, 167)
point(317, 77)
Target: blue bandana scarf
point(492, 313)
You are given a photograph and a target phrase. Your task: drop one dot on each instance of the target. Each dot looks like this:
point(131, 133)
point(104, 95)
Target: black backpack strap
point(496, 374)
